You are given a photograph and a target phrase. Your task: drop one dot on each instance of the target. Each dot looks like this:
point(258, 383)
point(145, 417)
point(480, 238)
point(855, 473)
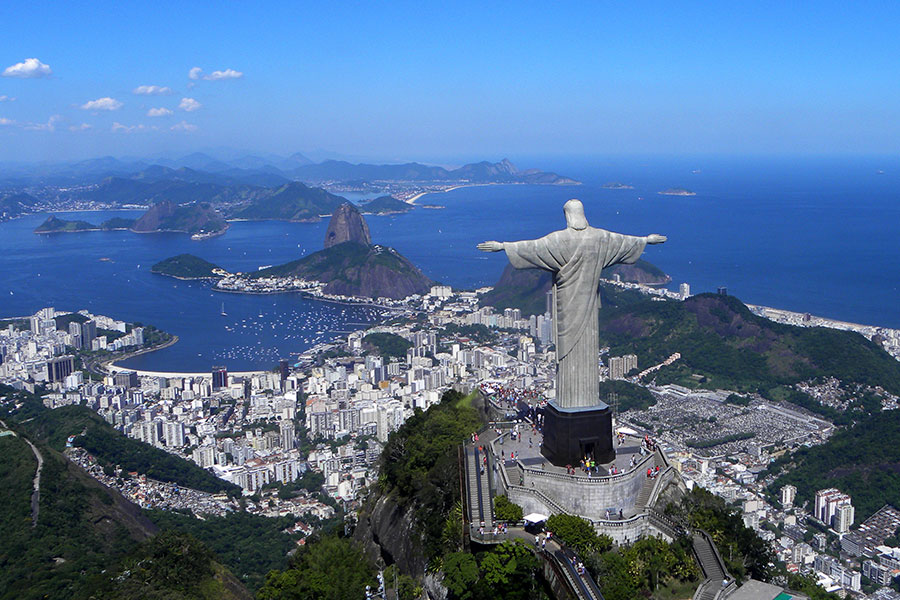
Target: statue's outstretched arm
point(655, 238)
point(490, 246)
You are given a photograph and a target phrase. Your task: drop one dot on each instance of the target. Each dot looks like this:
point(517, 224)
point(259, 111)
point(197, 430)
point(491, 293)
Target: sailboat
point(224, 314)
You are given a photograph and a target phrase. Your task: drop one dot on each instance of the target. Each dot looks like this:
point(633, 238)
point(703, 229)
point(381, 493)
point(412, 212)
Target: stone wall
point(585, 496)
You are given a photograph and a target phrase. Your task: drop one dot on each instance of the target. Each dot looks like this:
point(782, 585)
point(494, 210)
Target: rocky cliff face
point(155, 216)
point(352, 269)
point(347, 225)
point(388, 532)
point(350, 265)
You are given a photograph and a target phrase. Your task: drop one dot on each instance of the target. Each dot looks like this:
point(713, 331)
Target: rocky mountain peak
point(347, 225)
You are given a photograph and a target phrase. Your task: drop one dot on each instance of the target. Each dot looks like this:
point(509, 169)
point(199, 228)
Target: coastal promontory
point(54, 224)
point(386, 205)
point(198, 218)
point(188, 266)
point(291, 202)
point(350, 265)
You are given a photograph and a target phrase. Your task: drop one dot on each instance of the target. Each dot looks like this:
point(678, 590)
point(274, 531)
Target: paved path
point(36, 494)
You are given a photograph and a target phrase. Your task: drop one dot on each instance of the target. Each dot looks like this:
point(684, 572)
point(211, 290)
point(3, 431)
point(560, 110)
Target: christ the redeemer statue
point(575, 255)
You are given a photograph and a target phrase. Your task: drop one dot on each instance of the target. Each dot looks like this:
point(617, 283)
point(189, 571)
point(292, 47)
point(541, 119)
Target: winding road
point(36, 494)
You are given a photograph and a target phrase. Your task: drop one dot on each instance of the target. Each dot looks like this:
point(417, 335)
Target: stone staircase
point(478, 490)
point(484, 493)
point(713, 570)
point(646, 491)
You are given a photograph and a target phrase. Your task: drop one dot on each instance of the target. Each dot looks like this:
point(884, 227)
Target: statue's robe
point(576, 258)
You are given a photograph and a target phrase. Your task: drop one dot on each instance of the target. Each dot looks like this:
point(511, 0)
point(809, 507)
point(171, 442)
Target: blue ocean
point(814, 235)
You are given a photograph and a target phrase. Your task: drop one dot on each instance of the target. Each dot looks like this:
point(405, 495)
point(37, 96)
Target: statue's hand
point(490, 246)
point(655, 238)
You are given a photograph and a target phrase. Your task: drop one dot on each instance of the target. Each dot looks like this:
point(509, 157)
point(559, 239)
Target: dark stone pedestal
point(570, 434)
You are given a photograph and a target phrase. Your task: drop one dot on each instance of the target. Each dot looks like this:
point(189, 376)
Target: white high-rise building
point(685, 290)
point(173, 432)
point(619, 366)
point(788, 493)
point(827, 503)
point(286, 429)
point(843, 518)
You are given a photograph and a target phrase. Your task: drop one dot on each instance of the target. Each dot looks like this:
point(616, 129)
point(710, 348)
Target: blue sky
point(450, 81)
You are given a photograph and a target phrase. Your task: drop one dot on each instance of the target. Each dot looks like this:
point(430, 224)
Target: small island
point(615, 185)
point(386, 205)
point(677, 191)
point(433, 206)
point(56, 225)
point(188, 266)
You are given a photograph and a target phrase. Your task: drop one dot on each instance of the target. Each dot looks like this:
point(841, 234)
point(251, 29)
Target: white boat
point(224, 314)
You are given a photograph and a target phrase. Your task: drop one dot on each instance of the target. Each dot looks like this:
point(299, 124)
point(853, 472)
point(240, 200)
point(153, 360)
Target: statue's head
point(574, 211)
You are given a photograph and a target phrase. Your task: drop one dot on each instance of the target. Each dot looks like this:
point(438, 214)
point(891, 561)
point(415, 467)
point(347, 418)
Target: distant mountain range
point(482, 172)
point(252, 187)
point(265, 171)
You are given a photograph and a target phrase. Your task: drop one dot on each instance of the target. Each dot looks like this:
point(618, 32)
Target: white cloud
point(152, 90)
point(226, 74)
point(183, 126)
point(50, 125)
point(159, 112)
point(189, 105)
point(30, 68)
point(197, 73)
point(102, 104)
point(82, 127)
point(5, 98)
point(5, 121)
point(119, 128)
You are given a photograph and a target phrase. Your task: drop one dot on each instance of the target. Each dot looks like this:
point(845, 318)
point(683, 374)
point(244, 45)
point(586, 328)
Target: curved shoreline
point(311, 297)
point(471, 185)
point(109, 366)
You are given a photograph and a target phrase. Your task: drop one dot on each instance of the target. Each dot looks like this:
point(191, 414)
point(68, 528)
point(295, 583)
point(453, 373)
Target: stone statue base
point(570, 434)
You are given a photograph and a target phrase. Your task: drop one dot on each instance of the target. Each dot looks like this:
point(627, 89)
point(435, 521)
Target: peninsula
point(350, 265)
point(199, 219)
point(386, 205)
point(188, 266)
point(56, 225)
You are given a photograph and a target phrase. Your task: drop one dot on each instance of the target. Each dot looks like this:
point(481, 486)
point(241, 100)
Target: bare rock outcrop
point(347, 225)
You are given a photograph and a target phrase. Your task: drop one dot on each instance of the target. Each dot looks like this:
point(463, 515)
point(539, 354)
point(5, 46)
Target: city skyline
point(394, 83)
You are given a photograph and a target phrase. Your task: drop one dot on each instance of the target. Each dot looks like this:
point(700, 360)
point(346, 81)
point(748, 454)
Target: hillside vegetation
point(291, 202)
point(385, 205)
point(526, 289)
point(82, 527)
point(729, 347)
point(862, 461)
point(109, 446)
point(186, 266)
point(419, 464)
point(353, 269)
